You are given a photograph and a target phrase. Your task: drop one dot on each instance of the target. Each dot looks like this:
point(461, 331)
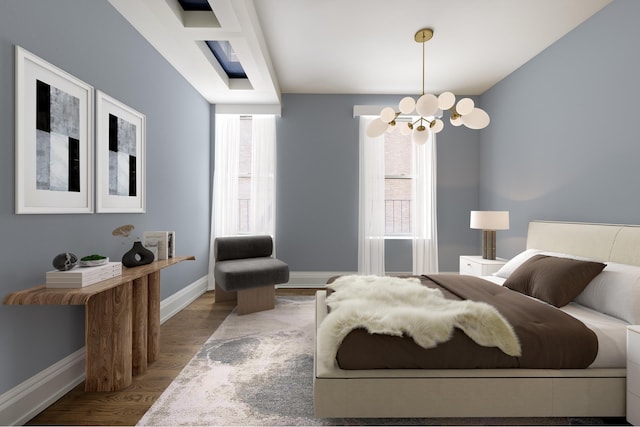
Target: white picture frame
point(120, 157)
point(53, 139)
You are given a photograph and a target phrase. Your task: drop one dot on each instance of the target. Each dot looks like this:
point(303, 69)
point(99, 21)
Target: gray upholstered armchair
point(246, 271)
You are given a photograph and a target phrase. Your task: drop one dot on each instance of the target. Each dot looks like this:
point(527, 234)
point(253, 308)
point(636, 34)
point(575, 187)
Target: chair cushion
point(239, 274)
point(236, 247)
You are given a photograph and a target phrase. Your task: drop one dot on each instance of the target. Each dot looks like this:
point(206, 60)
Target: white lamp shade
point(387, 114)
point(489, 220)
point(437, 125)
point(376, 128)
point(465, 106)
point(476, 119)
point(407, 105)
point(427, 105)
point(404, 128)
point(446, 100)
point(420, 136)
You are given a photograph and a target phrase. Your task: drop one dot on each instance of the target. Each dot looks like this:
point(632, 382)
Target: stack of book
point(80, 277)
point(161, 243)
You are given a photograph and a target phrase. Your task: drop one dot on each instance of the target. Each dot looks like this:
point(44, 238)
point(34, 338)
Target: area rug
point(257, 370)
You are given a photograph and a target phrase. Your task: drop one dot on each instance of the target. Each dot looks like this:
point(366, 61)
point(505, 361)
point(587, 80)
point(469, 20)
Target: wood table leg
point(153, 323)
point(140, 319)
point(108, 339)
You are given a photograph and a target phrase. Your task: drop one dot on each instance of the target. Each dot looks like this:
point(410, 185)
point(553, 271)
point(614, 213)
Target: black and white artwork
point(120, 156)
point(57, 139)
point(54, 139)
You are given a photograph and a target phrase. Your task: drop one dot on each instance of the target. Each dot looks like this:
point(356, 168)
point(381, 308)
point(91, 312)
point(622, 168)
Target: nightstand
point(475, 265)
point(633, 374)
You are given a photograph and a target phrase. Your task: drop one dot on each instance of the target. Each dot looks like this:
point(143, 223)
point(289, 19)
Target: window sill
point(399, 237)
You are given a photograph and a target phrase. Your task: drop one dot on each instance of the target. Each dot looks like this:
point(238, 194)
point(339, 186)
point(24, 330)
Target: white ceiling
point(353, 46)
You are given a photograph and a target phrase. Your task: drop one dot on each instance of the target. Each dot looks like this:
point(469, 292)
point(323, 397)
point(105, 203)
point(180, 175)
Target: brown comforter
point(550, 338)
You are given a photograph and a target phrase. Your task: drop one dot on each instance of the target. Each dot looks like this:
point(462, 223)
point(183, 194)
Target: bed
point(598, 390)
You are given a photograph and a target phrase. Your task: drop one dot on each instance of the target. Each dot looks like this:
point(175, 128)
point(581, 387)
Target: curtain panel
point(371, 202)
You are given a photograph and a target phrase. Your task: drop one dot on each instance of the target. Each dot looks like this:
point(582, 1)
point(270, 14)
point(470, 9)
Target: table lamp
point(489, 222)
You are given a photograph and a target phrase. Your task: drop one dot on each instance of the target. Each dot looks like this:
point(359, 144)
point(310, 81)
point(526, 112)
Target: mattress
point(611, 332)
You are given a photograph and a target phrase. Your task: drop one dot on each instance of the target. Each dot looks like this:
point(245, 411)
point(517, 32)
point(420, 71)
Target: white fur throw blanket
point(397, 306)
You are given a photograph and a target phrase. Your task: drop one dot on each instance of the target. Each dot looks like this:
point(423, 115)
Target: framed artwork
point(120, 156)
point(54, 139)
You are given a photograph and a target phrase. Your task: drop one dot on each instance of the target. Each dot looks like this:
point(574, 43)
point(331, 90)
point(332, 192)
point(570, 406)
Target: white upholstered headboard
point(601, 242)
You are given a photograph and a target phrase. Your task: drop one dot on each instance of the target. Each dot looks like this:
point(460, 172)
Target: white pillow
point(515, 262)
point(615, 291)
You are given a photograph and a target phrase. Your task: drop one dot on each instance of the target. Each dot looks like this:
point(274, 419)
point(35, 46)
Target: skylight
point(194, 5)
point(227, 58)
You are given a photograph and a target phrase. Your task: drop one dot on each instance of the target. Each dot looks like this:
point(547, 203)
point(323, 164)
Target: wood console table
point(122, 322)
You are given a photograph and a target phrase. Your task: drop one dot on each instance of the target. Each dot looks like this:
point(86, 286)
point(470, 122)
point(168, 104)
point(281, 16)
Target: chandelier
point(429, 108)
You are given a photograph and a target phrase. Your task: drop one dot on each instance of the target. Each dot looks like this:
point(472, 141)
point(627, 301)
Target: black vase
point(137, 255)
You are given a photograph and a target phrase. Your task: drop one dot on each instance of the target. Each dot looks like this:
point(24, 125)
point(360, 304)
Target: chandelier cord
point(423, 67)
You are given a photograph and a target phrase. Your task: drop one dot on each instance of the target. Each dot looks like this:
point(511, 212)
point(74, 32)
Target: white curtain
point(371, 202)
point(423, 215)
point(262, 207)
point(224, 209)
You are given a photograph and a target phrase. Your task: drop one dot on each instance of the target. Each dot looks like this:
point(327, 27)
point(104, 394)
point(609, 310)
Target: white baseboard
point(21, 403)
point(173, 304)
point(311, 279)
point(28, 399)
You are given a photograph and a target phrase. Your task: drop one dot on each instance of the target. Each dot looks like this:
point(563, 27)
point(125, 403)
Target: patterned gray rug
point(257, 370)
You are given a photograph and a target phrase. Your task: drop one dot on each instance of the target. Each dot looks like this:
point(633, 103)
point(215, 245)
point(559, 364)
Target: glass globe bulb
point(465, 106)
point(404, 128)
point(427, 105)
point(420, 136)
point(436, 126)
point(376, 128)
point(446, 100)
point(477, 119)
point(387, 114)
point(407, 105)
point(456, 121)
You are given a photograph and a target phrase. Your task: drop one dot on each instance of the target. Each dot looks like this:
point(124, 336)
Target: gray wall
point(563, 141)
point(90, 40)
point(317, 190)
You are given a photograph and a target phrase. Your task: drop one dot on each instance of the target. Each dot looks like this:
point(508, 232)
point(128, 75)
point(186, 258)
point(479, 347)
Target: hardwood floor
point(180, 338)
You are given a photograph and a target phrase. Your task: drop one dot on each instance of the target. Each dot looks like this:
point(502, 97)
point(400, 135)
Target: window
point(244, 175)
point(397, 197)
point(398, 180)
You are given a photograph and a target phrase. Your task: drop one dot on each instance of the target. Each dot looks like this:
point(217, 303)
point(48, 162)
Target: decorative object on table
point(65, 261)
point(93, 260)
point(489, 222)
point(164, 241)
point(120, 156)
point(137, 255)
point(81, 277)
point(429, 108)
point(54, 139)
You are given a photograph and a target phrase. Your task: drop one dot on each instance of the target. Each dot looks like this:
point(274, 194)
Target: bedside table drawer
point(469, 267)
point(478, 266)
